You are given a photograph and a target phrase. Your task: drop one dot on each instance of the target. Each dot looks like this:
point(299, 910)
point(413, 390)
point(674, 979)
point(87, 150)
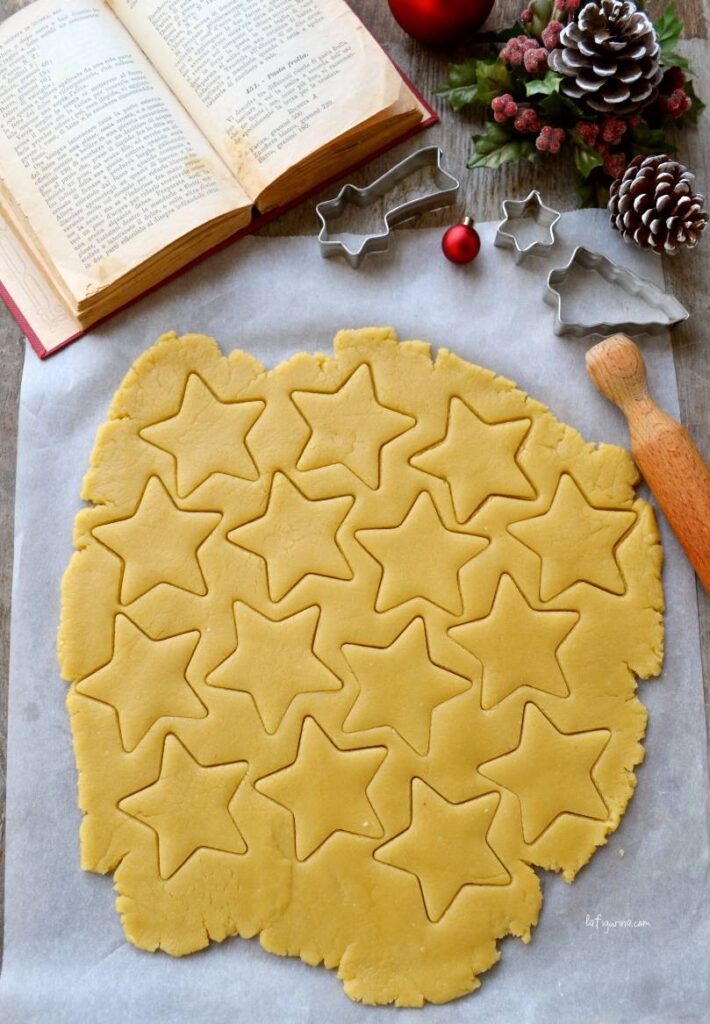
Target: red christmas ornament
point(439, 22)
point(461, 243)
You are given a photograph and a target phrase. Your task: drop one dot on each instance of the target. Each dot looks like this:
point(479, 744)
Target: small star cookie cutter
point(658, 302)
point(444, 193)
point(544, 217)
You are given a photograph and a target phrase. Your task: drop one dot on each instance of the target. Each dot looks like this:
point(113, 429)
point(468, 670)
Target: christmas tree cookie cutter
point(664, 310)
point(532, 207)
point(443, 193)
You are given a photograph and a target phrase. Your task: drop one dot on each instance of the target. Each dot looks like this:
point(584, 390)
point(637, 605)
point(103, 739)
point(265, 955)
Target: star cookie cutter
point(444, 193)
point(544, 217)
point(658, 301)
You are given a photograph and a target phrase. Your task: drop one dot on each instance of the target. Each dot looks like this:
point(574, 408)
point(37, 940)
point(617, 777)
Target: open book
point(135, 135)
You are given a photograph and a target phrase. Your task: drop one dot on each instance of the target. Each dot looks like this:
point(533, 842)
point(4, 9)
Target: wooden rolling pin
point(664, 452)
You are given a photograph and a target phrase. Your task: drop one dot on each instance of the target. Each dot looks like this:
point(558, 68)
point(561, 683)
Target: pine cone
point(653, 205)
point(610, 58)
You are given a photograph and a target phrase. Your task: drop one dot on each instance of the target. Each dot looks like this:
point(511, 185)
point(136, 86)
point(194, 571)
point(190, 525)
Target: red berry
point(514, 50)
point(551, 34)
point(535, 60)
point(588, 132)
point(528, 120)
point(677, 104)
point(512, 53)
point(526, 15)
point(503, 107)
point(613, 130)
point(550, 139)
point(615, 165)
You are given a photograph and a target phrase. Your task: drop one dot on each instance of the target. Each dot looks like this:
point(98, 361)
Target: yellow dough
point(353, 648)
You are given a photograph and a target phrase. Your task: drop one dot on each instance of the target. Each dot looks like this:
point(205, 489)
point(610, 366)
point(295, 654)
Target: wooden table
point(481, 194)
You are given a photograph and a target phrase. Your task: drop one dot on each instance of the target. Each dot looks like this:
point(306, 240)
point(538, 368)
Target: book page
point(29, 294)
point(268, 81)
point(101, 167)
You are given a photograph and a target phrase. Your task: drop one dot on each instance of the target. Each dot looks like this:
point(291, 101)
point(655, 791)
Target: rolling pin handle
point(664, 452)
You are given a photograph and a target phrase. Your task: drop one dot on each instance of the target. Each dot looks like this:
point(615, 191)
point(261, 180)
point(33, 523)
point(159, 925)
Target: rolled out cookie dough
point(352, 647)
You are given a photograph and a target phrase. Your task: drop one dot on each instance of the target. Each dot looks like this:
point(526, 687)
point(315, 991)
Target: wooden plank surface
point(481, 195)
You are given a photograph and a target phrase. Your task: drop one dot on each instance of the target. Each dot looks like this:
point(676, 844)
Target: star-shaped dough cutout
point(550, 772)
point(421, 558)
point(188, 807)
point(206, 436)
point(158, 543)
point(516, 645)
point(274, 661)
point(325, 789)
point(477, 459)
point(296, 537)
point(446, 847)
point(575, 541)
point(349, 426)
point(400, 686)
point(145, 680)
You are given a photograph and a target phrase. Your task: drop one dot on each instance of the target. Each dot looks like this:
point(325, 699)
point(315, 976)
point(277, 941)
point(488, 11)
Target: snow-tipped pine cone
point(653, 205)
point(610, 58)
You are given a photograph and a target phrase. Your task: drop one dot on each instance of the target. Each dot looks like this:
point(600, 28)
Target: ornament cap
point(468, 221)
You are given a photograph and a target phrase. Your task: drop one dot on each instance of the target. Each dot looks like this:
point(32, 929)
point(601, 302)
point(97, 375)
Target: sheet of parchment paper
point(66, 961)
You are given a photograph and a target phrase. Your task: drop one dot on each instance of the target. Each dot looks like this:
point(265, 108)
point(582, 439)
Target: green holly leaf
point(676, 60)
point(650, 140)
point(499, 145)
point(587, 193)
point(556, 107)
point(492, 79)
point(547, 86)
point(461, 87)
point(669, 28)
point(593, 192)
point(475, 82)
point(696, 107)
point(585, 158)
point(541, 11)
point(602, 194)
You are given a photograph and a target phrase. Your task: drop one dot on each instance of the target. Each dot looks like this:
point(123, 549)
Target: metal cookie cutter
point(544, 217)
point(664, 309)
point(444, 194)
